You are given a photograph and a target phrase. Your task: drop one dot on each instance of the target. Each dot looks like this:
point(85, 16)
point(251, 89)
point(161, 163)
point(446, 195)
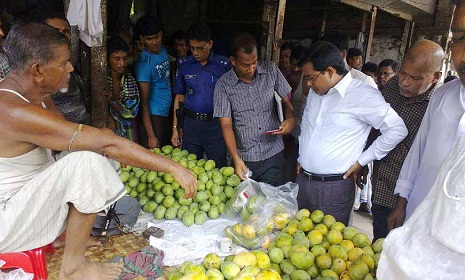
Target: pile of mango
point(311, 246)
point(315, 246)
point(254, 265)
point(160, 194)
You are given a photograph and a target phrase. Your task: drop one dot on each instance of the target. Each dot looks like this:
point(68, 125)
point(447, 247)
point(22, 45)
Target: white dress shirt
point(335, 128)
point(442, 126)
point(356, 74)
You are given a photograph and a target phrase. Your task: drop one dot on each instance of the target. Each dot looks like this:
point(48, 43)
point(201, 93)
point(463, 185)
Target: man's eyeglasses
point(312, 79)
point(386, 74)
point(199, 49)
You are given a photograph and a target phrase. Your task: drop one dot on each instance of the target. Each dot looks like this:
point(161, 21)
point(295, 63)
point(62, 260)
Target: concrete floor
point(362, 221)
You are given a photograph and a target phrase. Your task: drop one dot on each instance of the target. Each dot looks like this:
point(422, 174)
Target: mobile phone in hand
point(273, 131)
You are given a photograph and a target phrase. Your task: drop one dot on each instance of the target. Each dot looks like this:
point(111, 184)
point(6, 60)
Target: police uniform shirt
point(197, 82)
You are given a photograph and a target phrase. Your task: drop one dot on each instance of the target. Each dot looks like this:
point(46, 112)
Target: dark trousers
point(290, 154)
point(269, 171)
point(162, 129)
point(380, 214)
point(334, 198)
point(204, 136)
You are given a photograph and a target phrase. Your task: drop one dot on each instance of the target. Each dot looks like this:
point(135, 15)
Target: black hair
point(370, 67)
point(43, 17)
point(148, 26)
point(323, 55)
point(199, 31)
point(449, 78)
point(32, 42)
point(179, 35)
point(243, 42)
point(351, 52)
point(135, 36)
point(116, 43)
point(287, 46)
point(297, 52)
point(389, 62)
point(340, 40)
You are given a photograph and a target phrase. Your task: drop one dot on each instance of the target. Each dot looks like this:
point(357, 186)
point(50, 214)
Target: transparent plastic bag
point(245, 199)
point(262, 208)
point(252, 234)
point(281, 203)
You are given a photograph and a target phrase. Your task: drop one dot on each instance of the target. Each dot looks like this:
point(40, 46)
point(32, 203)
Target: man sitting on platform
point(39, 199)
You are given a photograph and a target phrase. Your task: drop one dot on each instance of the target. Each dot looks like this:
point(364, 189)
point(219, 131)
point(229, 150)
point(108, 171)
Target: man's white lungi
point(34, 214)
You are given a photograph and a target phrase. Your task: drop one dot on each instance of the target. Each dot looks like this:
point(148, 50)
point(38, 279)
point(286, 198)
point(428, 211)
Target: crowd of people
point(389, 126)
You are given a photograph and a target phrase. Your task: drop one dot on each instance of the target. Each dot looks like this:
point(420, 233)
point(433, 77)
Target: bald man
point(429, 246)
point(409, 95)
point(435, 138)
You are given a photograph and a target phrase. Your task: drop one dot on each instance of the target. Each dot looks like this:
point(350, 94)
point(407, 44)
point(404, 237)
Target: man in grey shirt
point(245, 104)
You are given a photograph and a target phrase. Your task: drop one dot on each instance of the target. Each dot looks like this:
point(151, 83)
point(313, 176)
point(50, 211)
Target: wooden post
point(278, 34)
point(74, 41)
point(410, 37)
point(363, 5)
point(371, 32)
point(268, 23)
point(360, 43)
point(405, 40)
point(98, 76)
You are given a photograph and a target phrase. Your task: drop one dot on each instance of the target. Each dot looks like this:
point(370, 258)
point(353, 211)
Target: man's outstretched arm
point(230, 141)
point(33, 124)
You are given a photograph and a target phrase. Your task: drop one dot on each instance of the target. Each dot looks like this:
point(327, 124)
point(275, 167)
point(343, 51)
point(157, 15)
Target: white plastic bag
point(17, 274)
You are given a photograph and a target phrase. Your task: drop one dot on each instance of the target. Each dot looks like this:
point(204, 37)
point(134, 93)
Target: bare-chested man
point(39, 199)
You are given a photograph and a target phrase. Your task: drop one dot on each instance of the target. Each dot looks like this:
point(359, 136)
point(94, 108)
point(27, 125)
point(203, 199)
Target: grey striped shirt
point(253, 110)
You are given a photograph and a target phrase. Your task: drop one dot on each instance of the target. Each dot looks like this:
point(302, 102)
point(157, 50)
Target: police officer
point(196, 77)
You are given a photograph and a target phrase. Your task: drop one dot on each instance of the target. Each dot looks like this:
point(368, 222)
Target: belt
point(322, 178)
point(199, 116)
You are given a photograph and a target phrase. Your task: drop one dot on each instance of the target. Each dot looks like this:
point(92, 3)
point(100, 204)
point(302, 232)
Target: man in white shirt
point(430, 244)
point(338, 117)
point(341, 41)
point(441, 127)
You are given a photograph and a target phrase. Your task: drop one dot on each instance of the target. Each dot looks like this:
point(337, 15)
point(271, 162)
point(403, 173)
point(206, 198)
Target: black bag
point(123, 213)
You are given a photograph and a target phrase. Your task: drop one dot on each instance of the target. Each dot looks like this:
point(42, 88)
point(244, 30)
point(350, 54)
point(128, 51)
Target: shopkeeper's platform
point(119, 245)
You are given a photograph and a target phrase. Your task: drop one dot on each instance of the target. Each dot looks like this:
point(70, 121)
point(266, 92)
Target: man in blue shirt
point(195, 83)
point(153, 77)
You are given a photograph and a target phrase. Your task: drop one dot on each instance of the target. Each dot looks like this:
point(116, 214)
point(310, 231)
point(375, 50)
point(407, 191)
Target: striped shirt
point(252, 108)
point(4, 66)
point(129, 105)
point(72, 103)
point(386, 171)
